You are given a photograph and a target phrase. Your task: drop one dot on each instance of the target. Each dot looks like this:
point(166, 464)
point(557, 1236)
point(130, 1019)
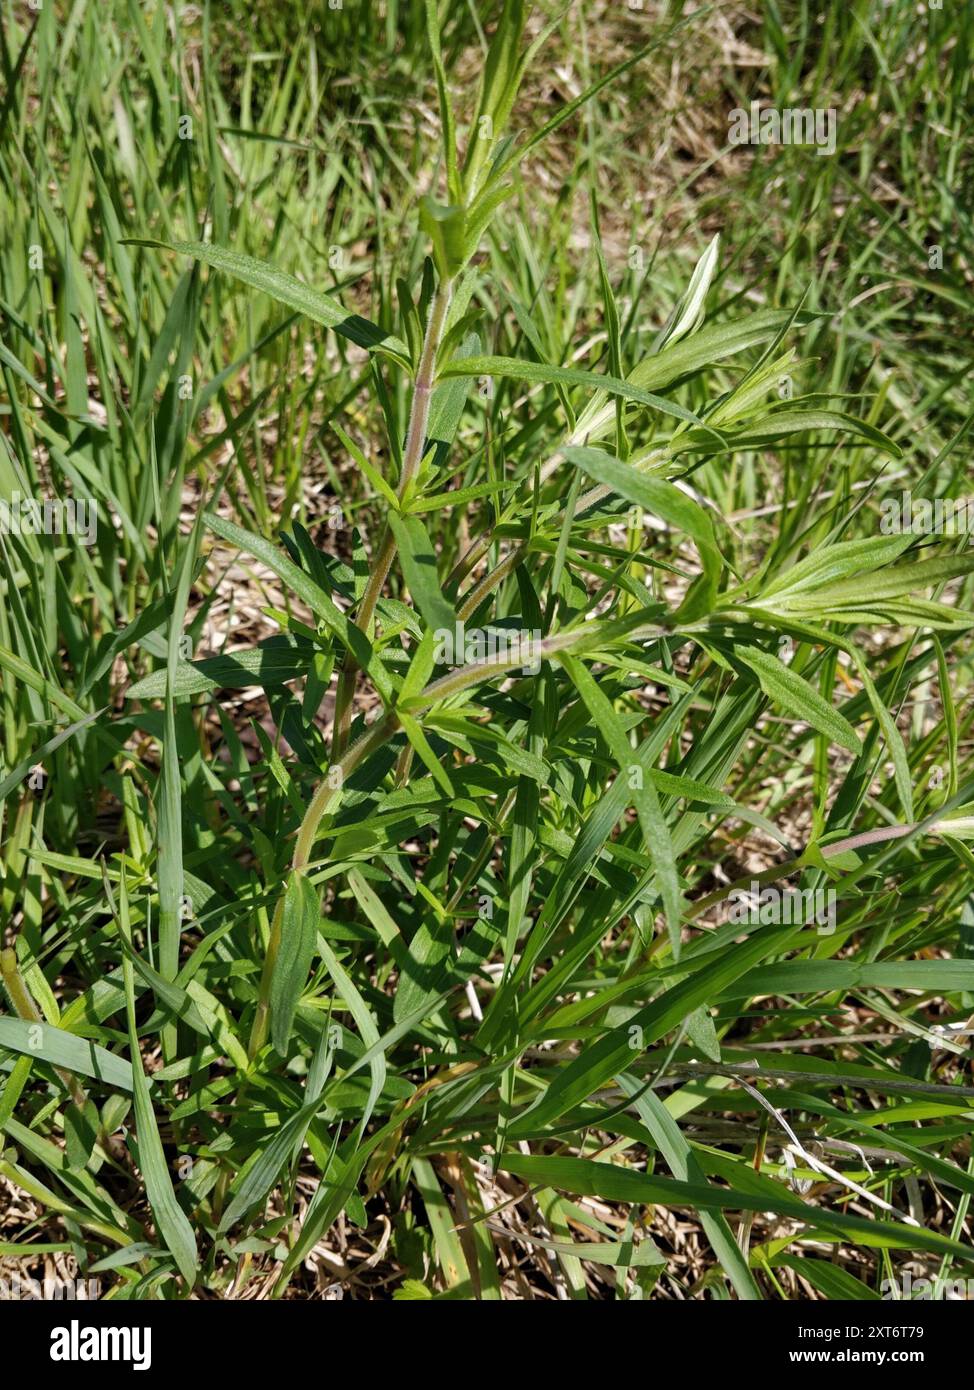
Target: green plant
point(487, 917)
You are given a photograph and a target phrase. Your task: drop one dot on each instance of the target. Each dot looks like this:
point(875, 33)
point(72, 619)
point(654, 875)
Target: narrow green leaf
point(611, 1054)
point(299, 929)
point(523, 370)
point(419, 569)
point(174, 1227)
point(786, 689)
point(683, 1165)
point(62, 1049)
point(614, 1183)
point(285, 289)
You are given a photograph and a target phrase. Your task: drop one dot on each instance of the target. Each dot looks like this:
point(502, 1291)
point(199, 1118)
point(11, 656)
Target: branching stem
point(412, 458)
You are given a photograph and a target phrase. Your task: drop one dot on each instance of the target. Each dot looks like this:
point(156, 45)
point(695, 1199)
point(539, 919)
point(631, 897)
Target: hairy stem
point(412, 458)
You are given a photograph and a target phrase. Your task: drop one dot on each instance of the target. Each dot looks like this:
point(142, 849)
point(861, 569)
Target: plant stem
point(877, 836)
point(476, 595)
point(411, 460)
point(328, 790)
